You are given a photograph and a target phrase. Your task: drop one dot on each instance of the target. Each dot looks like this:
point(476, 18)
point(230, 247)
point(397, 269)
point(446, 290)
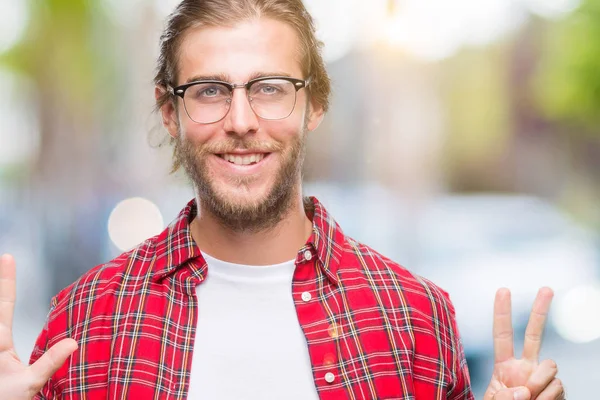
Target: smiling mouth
point(246, 159)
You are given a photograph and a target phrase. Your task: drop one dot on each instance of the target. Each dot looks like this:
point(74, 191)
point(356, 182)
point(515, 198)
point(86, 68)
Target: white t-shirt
point(249, 343)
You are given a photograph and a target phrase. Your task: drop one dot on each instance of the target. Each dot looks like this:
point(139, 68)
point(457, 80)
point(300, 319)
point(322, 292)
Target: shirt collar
point(327, 239)
point(175, 246)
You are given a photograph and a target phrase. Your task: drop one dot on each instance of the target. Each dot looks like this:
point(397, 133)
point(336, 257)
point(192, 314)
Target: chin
point(244, 197)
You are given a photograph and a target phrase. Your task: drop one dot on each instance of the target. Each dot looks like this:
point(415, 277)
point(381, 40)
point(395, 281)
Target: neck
point(275, 245)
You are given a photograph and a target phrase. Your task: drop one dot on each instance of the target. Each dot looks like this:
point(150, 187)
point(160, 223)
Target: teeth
point(244, 160)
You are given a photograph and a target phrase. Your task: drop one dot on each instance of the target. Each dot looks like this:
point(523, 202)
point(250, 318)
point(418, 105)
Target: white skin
point(238, 52)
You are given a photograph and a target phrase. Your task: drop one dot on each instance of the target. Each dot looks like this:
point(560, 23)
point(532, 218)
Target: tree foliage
point(567, 85)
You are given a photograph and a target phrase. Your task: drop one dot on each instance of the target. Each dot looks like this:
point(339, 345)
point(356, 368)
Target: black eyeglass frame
point(298, 84)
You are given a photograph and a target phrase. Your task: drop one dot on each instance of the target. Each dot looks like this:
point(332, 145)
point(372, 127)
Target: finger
point(503, 331)
point(51, 361)
point(8, 291)
point(541, 377)
point(554, 391)
point(537, 321)
point(518, 393)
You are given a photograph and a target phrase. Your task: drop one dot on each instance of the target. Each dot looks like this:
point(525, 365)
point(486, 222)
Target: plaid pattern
point(374, 330)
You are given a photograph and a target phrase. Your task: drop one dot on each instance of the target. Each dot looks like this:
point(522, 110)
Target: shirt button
point(329, 377)
point(306, 296)
point(307, 255)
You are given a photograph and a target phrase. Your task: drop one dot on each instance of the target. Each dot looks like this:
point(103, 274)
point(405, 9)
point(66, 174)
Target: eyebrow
point(219, 77)
point(226, 78)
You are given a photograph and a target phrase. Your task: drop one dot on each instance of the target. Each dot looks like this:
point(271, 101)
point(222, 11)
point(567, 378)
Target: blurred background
point(463, 142)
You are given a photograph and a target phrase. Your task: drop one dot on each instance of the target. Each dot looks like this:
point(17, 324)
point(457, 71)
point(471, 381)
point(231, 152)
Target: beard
point(251, 215)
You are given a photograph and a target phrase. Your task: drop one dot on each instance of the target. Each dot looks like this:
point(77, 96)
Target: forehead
point(240, 52)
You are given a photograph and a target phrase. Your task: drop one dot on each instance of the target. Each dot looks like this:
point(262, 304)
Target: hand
point(525, 378)
point(19, 381)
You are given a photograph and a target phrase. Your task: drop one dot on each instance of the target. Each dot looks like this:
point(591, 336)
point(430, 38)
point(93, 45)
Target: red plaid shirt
point(374, 330)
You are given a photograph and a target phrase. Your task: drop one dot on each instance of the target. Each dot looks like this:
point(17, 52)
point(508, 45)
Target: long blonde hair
point(191, 14)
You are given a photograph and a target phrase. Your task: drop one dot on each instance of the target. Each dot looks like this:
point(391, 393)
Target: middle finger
point(535, 327)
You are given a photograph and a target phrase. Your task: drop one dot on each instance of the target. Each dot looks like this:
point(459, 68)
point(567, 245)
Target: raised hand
point(20, 381)
point(525, 378)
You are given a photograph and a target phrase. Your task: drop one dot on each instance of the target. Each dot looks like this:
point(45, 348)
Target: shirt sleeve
point(461, 389)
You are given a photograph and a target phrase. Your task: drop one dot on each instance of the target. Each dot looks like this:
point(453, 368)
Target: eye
point(269, 89)
point(210, 91)
point(272, 88)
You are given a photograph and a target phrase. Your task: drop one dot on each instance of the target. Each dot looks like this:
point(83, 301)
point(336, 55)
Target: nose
point(241, 119)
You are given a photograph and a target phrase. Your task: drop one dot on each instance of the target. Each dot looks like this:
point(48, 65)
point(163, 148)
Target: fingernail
point(520, 394)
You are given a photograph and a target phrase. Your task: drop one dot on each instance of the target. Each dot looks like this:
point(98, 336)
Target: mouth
point(244, 159)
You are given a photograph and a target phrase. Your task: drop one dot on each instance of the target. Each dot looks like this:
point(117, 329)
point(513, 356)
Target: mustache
point(229, 146)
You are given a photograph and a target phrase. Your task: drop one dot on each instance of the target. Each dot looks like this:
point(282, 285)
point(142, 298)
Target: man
point(254, 292)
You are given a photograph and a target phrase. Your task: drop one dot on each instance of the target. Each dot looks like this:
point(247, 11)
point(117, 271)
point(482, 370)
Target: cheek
point(287, 129)
point(196, 133)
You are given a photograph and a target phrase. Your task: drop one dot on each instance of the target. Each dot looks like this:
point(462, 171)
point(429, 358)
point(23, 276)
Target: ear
point(315, 115)
point(170, 119)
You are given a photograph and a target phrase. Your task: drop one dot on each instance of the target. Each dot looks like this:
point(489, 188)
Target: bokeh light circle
point(132, 221)
point(577, 315)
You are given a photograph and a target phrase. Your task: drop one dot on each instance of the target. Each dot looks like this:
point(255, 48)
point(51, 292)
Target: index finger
point(503, 330)
point(537, 321)
point(7, 296)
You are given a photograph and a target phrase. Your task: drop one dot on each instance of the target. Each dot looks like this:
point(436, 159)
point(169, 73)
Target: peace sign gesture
point(525, 378)
point(20, 381)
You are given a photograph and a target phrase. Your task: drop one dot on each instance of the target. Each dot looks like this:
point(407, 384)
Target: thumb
point(518, 393)
point(51, 361)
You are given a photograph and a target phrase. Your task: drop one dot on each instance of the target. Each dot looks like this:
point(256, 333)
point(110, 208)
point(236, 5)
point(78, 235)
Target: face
point(243, 196)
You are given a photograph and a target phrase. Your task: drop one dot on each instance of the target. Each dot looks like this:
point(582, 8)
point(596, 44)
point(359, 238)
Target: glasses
point(271, 98)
